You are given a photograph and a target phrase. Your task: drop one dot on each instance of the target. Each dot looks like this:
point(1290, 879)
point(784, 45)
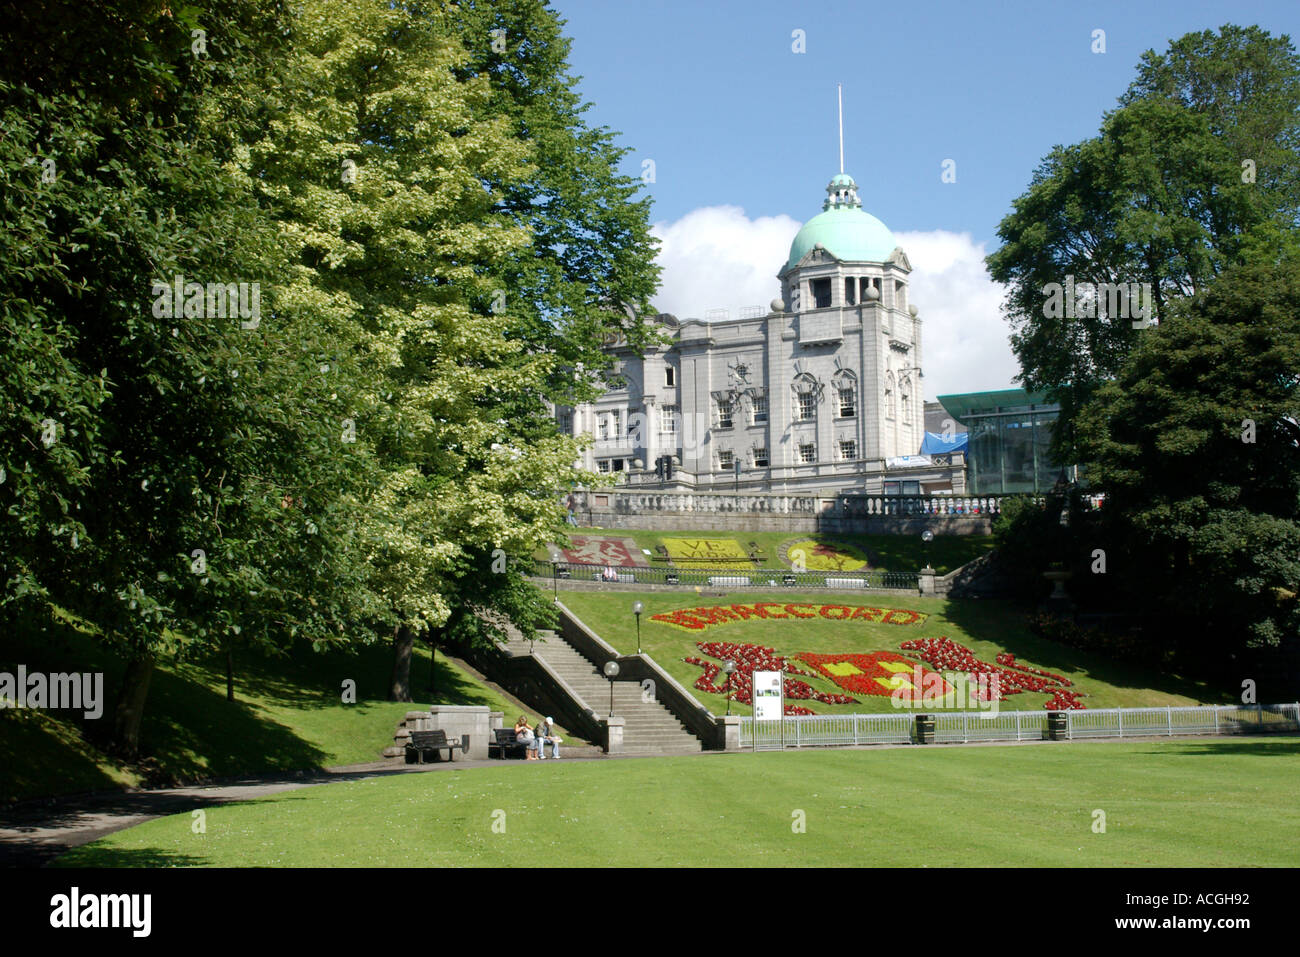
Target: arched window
point(846, 394)
point(905, 398)
point(805, 394)
point(889, 395)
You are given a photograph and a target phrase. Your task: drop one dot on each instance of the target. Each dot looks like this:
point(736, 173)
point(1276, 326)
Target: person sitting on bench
point(524, 735)
point(546, 735)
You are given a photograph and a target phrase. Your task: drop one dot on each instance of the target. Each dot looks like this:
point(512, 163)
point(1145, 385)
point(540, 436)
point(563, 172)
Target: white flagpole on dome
point(839, 90)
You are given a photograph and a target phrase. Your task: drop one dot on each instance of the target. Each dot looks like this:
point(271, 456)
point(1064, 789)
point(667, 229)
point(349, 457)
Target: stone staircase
point(649, 727)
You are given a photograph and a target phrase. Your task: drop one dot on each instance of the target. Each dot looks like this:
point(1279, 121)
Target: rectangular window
point(760, 409)
point(668, 418)
point(616, 418)
point(726, 460)
point(603, 465)
point(807, 453)
point(850, 298)
point(807, 406)
point(670, 377)
point(821, 293)
point(603, 426)
point(760, 458)
point(848, 449)
point(724, 414)
point(618, 465)
point(847, 408)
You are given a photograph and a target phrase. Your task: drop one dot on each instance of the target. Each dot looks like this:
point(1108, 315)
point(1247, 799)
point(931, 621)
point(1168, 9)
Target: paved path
point(35, 832)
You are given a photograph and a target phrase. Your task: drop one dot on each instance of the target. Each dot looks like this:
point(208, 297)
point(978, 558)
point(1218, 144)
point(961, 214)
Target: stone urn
point(1059, 602)
point(1058, 577)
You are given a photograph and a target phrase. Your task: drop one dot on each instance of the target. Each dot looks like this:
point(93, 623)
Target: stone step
point(649, 727)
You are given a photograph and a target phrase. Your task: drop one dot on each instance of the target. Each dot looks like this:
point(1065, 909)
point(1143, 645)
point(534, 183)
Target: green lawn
point(986, 627)
point(902, 553)
point(1224, 802)
point(288, 715)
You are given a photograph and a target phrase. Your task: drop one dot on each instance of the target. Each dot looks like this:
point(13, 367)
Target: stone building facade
point(822, 393)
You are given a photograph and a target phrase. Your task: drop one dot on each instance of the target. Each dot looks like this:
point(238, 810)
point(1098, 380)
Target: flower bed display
point(875, 673)
point(698, 619)
point(705, 550)
point(751, 658)
point(1012, 678)
point(825, 556)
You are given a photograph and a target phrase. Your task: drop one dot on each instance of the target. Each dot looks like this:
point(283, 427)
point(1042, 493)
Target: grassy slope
point(986, 627)
point(940, 806)
point(288, 715)
point(904, 553)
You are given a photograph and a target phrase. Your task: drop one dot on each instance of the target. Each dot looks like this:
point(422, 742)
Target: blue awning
point(935, 443)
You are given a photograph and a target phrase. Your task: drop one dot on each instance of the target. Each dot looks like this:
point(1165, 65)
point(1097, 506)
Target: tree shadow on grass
point(1006, 623)
point(305, 678)
point(93, 855)
point(194, 732)
point(1255, 745)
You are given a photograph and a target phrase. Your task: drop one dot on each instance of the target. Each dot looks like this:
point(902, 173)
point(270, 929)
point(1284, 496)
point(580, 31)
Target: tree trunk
point(403, 646)
point(433, 667)
point(230, 673)
point(129, 710)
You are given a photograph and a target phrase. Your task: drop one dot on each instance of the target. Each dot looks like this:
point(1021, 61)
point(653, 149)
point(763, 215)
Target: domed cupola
point(843, 229)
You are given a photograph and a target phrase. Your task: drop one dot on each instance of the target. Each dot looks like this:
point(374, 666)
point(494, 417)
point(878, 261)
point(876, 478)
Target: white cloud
point(717, 257)
point(965, 342)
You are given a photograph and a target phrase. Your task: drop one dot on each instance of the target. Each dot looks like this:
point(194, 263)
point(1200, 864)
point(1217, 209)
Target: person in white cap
point(546, 735)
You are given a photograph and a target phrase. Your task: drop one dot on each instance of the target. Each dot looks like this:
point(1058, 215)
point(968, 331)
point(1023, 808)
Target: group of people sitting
point(536, 739)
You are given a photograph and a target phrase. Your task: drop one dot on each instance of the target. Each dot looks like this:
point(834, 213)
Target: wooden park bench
point(436, 741)
point(506, 741)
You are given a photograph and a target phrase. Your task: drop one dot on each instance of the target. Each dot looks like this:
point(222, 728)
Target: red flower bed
point(1012, 678)
point(868, 673)
point(751, 658)
point(698, 619)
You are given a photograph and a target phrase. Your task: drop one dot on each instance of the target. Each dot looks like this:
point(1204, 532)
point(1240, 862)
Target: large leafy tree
point(384, 171)
point(172, 435)
point(1197, 444)
point(590, 270)
point(1195, 171)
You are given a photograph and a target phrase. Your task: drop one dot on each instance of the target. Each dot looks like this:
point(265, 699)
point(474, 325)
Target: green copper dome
point(843, 229)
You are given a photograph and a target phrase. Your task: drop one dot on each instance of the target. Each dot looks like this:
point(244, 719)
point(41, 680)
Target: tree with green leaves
point(1197, 444)
point(1195, 171)
point(590, 270)
point(161, 432)
point(386, 172)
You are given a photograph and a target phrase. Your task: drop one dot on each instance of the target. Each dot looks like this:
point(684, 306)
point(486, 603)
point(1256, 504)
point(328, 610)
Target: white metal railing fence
point(826, 730)
point(840, 730)
point(1203, 719)
point(966, 726)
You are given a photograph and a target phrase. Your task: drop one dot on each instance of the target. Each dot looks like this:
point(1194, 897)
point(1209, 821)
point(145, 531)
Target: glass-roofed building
point(1009, 441)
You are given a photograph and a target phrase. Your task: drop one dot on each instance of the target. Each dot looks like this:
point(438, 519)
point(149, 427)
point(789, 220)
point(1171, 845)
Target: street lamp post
point(927, 536)
point(611, 672)
point(637, 608)
point(730, 669)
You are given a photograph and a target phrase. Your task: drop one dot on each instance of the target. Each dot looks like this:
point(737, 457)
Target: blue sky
point(743, 134)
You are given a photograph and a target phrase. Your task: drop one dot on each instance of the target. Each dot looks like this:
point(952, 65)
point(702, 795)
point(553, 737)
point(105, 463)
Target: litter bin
point(925, 729)
point(1056, 725)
